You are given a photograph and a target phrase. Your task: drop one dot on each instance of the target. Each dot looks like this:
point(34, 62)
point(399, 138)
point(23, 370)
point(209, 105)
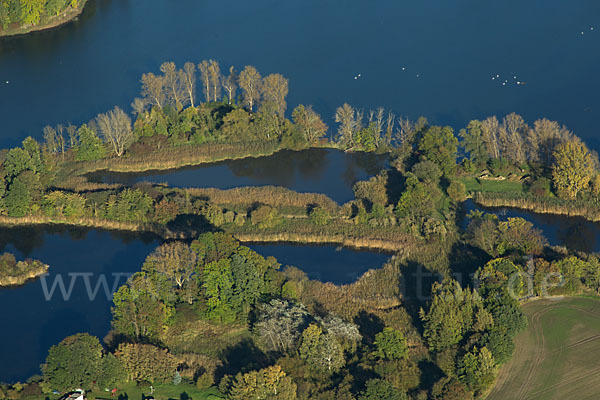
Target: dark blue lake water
point(575, 233)
point(449, 50)
point(326, 171)
point(434, 58)
point(40, 314)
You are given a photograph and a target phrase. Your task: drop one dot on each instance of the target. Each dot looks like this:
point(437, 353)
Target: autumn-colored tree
point(214, 72)
point(250, 82)
point(321, 351)
point(153, 89)
point(230, 84)
point(274, 90)
point(204, 68)
point(115, 127)
point(310, 123)
point(175, 91)
point(269, 383)
point(147, 363)
point(188, 77)
point(138, 311)
point(346, 117)
point(175, 260)
point(573, 168)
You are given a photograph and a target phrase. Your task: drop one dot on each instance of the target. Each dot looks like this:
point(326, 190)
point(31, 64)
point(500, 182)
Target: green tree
point(90, 146)
point(390, 344)
point(111, 372)
point(74, 362)
point(32, 11)
point(18, 199)
point(319, 216)
point(450, 315)
point(573, 168)
point(54, 7)
point(379, 389)
point(17, 161)
point(474, 142)
point(440, 146)
point(218, 289)
point(427, 171)
point(138, 311)
point(477, 369)
point(130, 205)
point(372, 191)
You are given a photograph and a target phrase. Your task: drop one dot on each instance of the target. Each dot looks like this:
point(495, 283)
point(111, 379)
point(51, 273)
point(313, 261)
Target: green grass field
point(557, 356)
point(162, 392)
point(482, 185)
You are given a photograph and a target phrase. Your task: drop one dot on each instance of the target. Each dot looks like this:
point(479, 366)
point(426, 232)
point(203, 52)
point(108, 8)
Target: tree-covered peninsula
point(24, 16)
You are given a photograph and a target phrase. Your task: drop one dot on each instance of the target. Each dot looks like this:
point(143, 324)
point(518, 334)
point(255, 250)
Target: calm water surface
point(434, 58)
point(575, 233)
point(30, 323)
point(35, 316)
point(331, 172)
point(450, 50)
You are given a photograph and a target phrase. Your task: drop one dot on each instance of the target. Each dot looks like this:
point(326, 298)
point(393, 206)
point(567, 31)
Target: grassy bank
point(542, 205)
point(173, 157)
point(98, 223)
point(51, 22)
point(275, 196)
point(339, 231)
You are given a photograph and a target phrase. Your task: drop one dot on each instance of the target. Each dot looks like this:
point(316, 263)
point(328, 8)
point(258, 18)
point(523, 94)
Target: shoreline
point(19, 280)
point(534, 206)
point(365, 244)
point(127, 165)
point(54, 22)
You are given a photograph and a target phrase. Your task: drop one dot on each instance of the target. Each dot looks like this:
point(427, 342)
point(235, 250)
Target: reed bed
point(338, 232)
point(587, 209)
point(171, 157)
point(84, 221)
point(274, 196)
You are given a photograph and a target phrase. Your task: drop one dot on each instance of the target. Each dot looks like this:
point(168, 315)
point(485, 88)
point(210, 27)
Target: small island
point(14, 273)
point(19, 17)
